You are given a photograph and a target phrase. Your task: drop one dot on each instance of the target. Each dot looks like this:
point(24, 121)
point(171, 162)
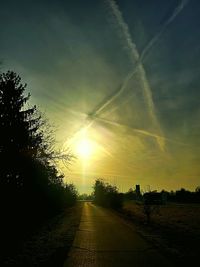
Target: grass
point(173, 227)
point(49, 245)
point(185, 217)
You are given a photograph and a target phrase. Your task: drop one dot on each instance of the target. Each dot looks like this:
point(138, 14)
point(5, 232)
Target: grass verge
point(50, 244)
point(174, 229)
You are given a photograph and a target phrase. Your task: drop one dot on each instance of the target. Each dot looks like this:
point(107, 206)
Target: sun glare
point(84, 148)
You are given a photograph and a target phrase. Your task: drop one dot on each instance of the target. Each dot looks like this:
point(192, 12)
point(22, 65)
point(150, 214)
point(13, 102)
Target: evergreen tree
point(20, 138)
point(28, 176)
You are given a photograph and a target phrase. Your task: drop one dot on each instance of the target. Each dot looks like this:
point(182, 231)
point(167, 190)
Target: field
point(173, 227)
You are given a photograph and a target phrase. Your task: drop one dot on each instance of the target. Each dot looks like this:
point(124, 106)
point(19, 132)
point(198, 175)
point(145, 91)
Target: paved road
point(105, 240)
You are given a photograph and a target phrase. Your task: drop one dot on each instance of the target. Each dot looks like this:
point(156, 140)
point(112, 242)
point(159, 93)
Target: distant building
point(137, 191)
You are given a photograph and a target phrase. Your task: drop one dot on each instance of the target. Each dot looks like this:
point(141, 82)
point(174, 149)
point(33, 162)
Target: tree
point(99, 192)
point(20, 138)
point(130, 195)
point(107, 195)
point(71, 193)
point(26, 150)
point(31, 188)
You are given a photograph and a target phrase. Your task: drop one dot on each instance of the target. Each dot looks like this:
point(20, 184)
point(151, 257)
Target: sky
point(119, 80)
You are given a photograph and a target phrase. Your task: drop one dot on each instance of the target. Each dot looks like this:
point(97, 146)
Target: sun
point(84, 148)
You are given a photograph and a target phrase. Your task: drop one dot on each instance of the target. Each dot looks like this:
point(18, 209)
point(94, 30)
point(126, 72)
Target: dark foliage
point(31, 189)
point(154, 198)
point(184, 196)
point(107, 195)
point(132, 195)
point(71, 193)
point(159, 198)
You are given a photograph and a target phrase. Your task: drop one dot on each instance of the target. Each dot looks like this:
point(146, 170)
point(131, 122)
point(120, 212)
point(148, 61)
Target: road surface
point(105, 240)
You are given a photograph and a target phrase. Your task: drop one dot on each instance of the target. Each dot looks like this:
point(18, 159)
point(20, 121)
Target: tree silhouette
point(27, 172)
point(107, 195)
point(31, 188)
point(20, 138)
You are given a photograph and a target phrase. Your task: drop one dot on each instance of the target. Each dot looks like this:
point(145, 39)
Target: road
point(105, 240)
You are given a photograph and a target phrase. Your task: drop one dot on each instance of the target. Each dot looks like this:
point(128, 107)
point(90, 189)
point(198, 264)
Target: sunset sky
point(120, 80)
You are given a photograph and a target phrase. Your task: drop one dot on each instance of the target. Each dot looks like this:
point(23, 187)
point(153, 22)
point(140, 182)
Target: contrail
point(140, 131)
point(135, 57)
point(115, 95)
point(167, 22)
point(138, 66)
point(138, 59)
point(132, 46)
point(94, 118)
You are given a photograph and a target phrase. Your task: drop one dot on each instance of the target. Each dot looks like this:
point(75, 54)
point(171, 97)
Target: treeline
point(107, 195)
point(31, 188)
point(183, 196)
point(178, 196)
point(85, 197)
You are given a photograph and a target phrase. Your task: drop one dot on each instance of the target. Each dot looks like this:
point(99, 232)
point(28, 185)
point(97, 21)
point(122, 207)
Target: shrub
point(107, 195)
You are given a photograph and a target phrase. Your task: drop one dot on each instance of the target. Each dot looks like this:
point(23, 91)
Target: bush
point(107, 195)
